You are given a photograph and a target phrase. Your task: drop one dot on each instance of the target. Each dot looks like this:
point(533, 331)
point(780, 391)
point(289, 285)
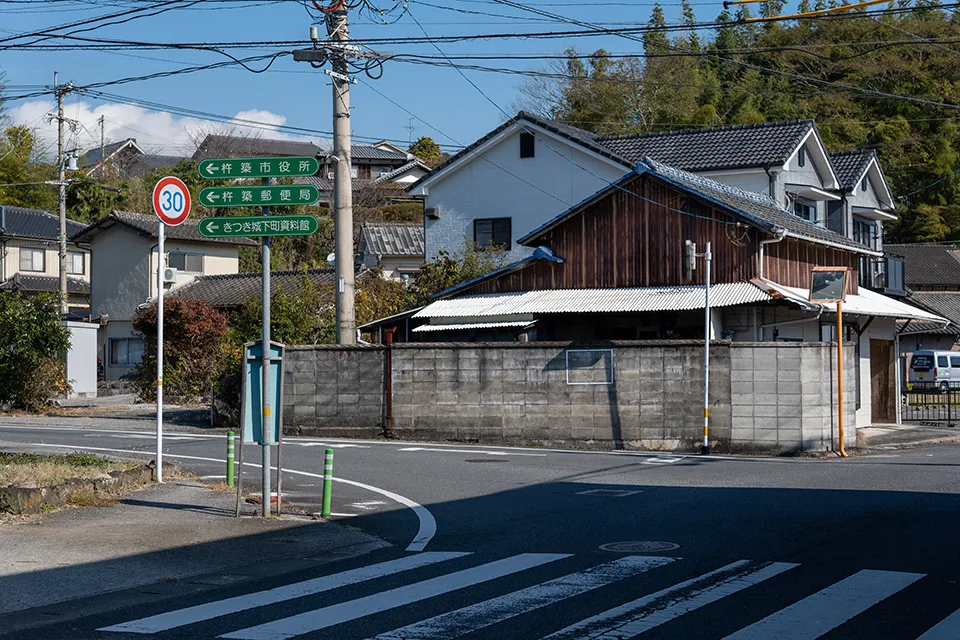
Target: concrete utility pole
point(338, 31)
point(62, 187)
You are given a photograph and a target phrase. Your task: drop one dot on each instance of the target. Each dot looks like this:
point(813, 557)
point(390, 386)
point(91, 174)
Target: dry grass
point(90, 498)
point(37, 470)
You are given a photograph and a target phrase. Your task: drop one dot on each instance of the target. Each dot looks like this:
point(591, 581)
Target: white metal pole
point(705, 448)
point(160, 255)
point(266, 421)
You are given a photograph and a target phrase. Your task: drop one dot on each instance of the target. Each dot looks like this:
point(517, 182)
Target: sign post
point(829, 284)
point(171, 203)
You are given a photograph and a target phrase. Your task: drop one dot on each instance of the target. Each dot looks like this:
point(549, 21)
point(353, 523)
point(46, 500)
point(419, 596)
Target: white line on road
point(338, 445)
point(633, 618)
point(946, 629)
point(401, 596)
point(815, 615)
point(425, 533)
point(482, 452)
point(369, 505)
point(210, 610)
point(455, 624)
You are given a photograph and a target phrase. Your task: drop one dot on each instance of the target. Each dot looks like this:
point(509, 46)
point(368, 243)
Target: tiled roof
point(20, 282)
point(93, 155)
point(928, 265)
point(236, 289)
point(217, 146)
point(758, 208)
point(33, 223)
point(727, 147)
point(946, 304)
point(370, 152)
point(850, 165)
point(392, 239)
point(413, 164)
point(147, 225)
point(326, 186)
point(143, 164)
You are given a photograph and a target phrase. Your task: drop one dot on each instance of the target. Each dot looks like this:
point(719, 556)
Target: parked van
point(939, 369)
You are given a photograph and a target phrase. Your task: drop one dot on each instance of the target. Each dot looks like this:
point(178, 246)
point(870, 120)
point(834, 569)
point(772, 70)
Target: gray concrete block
point(467, 398)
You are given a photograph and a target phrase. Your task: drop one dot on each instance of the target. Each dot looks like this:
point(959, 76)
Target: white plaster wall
point(481, 189)
point(750, 180)
point(51, 263)
point(115, 329)
point(218, 259)
point(120, 273)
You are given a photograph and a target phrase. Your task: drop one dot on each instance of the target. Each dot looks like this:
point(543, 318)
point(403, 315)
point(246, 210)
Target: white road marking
point(210, 610)
point(138, 436)
point(212, 477)
point(664, 460)
point(425, 533)
point(340, 515)
point(339, 445)
point(393, 598)
point(946, 629)
point(641, 615)
point(827, 609)
point(481, 615)
point(481, 452)
point(369, 505)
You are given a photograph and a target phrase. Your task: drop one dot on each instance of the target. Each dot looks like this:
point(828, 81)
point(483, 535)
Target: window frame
point(802, 157)
point(185, 254)
point(507, 245)
point(114, 343)
point(528, 145)
point(811, 207)
point(32, 251)
point(83, 263)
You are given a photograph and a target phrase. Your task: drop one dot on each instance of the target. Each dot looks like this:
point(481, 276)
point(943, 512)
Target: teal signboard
point(251, 403)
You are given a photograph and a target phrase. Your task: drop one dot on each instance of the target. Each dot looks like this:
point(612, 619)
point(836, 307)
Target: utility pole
point(62, 187)
point(338, 31)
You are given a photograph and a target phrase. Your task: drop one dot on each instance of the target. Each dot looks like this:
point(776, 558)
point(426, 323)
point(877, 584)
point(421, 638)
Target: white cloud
point(155, 131)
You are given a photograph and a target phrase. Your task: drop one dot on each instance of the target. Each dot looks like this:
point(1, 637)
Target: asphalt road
point(493, 542)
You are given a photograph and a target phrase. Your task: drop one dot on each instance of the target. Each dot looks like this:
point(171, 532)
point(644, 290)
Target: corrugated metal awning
point(865, 303)
point(429, 328)
point(686, 298)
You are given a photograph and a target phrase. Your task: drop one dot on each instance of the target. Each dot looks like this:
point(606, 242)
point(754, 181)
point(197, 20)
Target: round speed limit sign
point(171, 201)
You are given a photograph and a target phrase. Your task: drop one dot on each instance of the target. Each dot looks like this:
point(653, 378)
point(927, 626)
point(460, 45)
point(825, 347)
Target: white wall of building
point(11, 260)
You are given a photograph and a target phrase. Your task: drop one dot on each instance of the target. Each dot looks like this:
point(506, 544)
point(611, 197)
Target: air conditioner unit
point(432, 212)
point(169, 275)
point(330, 175)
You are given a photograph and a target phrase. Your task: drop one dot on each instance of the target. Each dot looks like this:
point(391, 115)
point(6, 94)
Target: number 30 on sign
point(171, 201)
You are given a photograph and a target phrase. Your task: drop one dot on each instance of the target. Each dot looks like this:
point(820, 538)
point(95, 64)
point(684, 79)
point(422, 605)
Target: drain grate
point(639, 546)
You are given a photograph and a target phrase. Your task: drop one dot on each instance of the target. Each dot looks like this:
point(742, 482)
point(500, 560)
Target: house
point(124, 159)
point(30, 250)
point(226, 146)
point(230, 292)
point(394, 248)
point(124, 275)
point(519, 175)
point(612, 268)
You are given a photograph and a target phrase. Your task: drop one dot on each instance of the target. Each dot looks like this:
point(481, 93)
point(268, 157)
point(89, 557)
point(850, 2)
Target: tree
point(427, 150)
point(32, 341)
point(447, 271)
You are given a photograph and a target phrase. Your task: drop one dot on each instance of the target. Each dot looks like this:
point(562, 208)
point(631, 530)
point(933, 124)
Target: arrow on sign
point(212, 168)
point(211, 227)
point(212, 197)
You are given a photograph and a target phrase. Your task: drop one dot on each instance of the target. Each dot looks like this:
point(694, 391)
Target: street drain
point(639, 546)
point(482, 460)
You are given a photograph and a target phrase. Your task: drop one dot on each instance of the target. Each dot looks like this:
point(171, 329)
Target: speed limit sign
point(171, 200)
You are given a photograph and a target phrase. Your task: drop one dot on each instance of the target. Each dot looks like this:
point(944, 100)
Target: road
point(492, 542)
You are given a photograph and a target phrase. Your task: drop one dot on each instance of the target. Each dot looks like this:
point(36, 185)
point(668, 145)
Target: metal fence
point(932, 405)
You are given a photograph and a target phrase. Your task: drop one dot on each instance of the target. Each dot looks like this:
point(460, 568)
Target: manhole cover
point(639, 546)
point(482, 460)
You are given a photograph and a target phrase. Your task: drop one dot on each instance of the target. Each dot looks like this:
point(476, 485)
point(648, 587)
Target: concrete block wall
point(784, 397)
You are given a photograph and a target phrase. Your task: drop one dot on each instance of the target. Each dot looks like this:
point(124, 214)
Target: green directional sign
point(258, 167)
point(242, 226)
point(281, 195)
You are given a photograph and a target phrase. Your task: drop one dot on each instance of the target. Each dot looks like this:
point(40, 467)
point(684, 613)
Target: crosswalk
point(442, 595)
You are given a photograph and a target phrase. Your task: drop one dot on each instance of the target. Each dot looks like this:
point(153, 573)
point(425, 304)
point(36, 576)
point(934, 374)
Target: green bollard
point(230, 439)
point(327, 482)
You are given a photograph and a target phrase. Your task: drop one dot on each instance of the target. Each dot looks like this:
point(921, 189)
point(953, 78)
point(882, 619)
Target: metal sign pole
point(705, 448)
point(160, 234)
point(843, 452)
point(266, 429)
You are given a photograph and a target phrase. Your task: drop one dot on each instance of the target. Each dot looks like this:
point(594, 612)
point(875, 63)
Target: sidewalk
point(178, 534)
point(898, 436)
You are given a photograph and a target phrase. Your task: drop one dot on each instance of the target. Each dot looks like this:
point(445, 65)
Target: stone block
point(424, 375)
point(765, 360)
point(468, 375)
point(446, 375)
point(788, 412)
point(536, 398)
point(513, 398)
point(788, 375)
point(491, 398)
point(741, 388)
point(766, 412)
point(447, 398)
point(468, 398)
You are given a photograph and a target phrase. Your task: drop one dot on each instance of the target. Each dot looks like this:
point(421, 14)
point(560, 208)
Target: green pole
point(230, 442)
point(327, 482)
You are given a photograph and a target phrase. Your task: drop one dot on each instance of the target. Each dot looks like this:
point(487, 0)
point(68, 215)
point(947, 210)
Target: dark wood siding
point(790, 262)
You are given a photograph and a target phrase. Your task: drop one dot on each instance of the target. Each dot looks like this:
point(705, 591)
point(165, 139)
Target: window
point(492, 232)
point(942, 361)
point(32, 260)
point(805, 211)
point(187, 262)
point(126, 352)
point(527, 145)
point(954, 362)
point(865, 232)
point(802, 157)
point(863, 184)
point(75, 262)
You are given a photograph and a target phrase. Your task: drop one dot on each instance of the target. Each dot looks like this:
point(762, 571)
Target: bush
point(32, 343)
point(193, 348)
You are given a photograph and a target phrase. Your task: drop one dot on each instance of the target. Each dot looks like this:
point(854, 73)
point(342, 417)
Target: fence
point(931, 405)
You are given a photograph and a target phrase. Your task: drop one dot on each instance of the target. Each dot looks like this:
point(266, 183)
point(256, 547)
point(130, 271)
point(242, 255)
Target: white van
point(939, 369)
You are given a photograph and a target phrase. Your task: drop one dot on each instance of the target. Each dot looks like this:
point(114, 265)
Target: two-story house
point(124, 159)
point(30, 256)
point(124, 275)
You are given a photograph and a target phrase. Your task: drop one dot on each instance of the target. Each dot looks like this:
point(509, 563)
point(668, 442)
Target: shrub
point(193, 348)
point(32, 343)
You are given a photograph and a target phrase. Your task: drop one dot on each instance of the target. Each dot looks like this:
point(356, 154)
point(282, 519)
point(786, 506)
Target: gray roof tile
point(850, 165)
point(370, 152)
point(143, 164)
point(726, 147)
point(33, 223)
point(219, 146)
point(235, 290)
point(946, 304)
point(147, 225)
point(20, 282)
point(928, 265)
point(392, 239)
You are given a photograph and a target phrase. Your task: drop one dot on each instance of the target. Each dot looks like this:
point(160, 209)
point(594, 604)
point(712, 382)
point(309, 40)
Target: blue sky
point(292, 93)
